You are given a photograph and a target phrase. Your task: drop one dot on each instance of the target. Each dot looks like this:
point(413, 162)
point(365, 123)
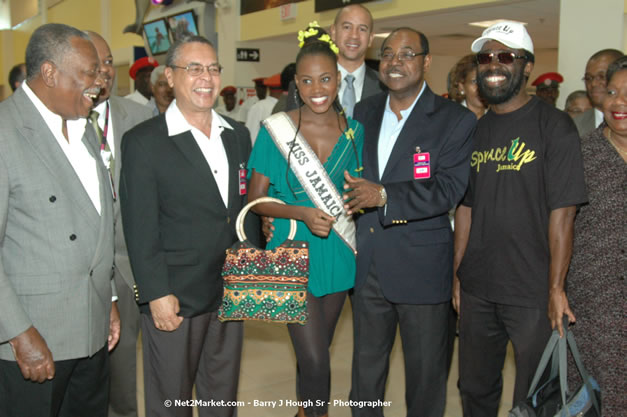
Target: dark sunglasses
point(505, 58)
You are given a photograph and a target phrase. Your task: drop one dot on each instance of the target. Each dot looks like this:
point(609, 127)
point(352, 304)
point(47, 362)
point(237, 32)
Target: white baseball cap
point(511, 34)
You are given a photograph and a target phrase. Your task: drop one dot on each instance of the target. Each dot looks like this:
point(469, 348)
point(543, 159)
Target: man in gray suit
point(115, 116)
point(594, 78)
point(57, 318)
point(352, 32)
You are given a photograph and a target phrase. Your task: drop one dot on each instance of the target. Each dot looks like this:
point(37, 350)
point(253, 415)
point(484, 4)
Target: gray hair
point(156, 73)
point(574, 96)
point(49, 42)
point(173, 52)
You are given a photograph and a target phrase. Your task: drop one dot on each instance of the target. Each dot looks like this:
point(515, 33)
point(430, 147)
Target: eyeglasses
point(402, 56)
point(504, 58)
point(197, 69)
point(589, 78)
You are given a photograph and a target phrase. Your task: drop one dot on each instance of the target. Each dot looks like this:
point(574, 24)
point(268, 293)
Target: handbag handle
point(239, 223)
point(556, 350)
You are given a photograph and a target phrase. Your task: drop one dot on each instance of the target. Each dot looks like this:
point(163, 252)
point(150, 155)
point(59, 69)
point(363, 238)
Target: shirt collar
point(52, 119)
point(598, 117)
point(177, 123)
point(408, 110)
point(359, 73)
point(101, 108)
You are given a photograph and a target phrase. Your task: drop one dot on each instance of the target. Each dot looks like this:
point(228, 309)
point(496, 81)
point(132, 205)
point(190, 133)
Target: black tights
point(311, 344)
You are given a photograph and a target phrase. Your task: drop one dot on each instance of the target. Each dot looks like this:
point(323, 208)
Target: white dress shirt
point(390, 129)
point(211, 147)
point(234, 114)
point(137, 97)
point(246, 105)
point(598, 117)
point(257, 113)
point(74, 149)
point(358, 82)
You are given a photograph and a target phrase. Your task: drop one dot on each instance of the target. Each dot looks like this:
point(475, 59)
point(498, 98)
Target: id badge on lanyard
point(422, 165)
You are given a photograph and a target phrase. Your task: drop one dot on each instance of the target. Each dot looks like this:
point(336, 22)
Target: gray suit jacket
point(56, 252)
point(372, 86)
point(125, 114)
point(585, 122)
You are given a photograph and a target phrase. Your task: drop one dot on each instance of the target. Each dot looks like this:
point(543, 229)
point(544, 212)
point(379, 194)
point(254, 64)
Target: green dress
point(331, 261)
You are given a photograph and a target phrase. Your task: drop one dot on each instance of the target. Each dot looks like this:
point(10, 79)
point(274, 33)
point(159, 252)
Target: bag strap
point(582, 370)
point(544, 361)
point(239, 223)
point(562, 357)
point(557, 350)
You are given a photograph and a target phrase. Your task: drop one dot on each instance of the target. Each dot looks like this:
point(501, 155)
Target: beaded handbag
point(265, 285)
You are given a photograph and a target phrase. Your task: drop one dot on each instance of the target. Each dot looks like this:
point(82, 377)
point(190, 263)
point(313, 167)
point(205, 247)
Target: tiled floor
point(268, 374)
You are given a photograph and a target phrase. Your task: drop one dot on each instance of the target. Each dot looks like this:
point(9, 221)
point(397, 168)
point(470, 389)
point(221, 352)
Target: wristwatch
point(384, 196)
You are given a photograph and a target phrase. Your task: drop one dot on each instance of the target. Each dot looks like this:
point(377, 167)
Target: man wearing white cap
point(514, 229)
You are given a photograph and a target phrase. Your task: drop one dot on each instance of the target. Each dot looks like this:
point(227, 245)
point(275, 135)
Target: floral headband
point(312, 31)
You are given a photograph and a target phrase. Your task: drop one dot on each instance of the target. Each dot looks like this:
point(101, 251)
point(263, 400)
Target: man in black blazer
point(352, 32)
point(180, 195)
point(416, 166)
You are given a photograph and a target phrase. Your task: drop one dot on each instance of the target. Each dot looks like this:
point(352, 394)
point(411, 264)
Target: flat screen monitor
point(182, 25)
point(156, 33)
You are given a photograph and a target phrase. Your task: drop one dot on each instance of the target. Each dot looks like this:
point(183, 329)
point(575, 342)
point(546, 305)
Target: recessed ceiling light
point(488, 23)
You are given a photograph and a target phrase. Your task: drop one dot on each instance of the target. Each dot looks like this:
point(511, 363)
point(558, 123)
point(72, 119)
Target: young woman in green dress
point(337, 142)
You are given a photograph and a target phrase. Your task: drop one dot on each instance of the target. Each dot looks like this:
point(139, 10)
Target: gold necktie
point(93, 117)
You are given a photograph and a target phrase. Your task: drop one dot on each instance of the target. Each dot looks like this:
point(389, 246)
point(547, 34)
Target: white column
point(228, 28)
point(586, 26)
point(105, 20)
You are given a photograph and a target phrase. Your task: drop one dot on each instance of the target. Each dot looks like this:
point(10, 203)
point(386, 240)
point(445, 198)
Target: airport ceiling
point(449, 32)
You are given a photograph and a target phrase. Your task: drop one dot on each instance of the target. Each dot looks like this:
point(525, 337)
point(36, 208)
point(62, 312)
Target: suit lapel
point(413, 132)
point(189, 148)
point(371, 143)
point(118, 118)
point(36, 132)
point(232, 153)
point(371, 84)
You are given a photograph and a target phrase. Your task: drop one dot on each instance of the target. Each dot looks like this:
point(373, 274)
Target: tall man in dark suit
point(180, 196)
point(114, 117)
point(57, 318)
point(352, 32)
point(416, 165)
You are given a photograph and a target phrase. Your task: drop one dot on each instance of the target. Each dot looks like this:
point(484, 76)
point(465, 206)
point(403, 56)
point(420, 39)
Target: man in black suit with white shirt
point(180, 195)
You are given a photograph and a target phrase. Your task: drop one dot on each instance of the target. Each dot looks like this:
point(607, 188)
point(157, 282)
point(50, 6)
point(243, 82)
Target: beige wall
point(104, 16)
point(584, 29)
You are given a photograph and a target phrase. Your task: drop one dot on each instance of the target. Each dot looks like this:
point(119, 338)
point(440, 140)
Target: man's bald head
point(594, 77)
point(106, 65)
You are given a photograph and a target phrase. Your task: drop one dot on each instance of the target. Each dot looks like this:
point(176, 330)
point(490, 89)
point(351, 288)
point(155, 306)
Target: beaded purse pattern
point(266, 285)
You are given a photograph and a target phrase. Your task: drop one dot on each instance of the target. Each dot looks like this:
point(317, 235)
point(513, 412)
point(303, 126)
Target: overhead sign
point(248, 54)
point(322, 5)
point(288, 11)
point(251, 6)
